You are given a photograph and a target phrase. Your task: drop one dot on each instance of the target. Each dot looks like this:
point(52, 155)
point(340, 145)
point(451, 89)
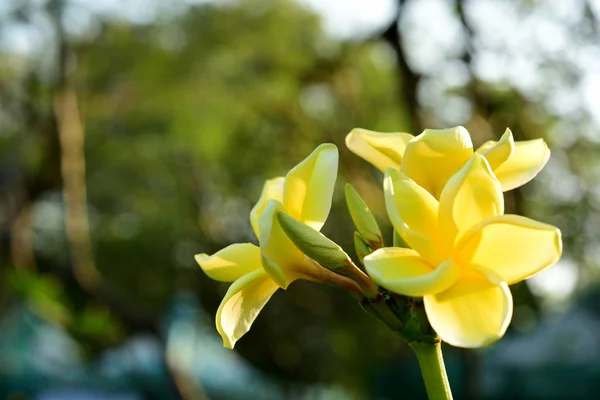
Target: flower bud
point(363, 219)
point(314, 244)
point(361, 247)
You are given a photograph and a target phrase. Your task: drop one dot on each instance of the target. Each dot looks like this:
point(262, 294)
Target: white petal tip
point(327, 147)
point(200, 257)
point(484, 342)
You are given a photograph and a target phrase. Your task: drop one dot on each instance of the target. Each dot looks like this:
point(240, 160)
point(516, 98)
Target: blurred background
point(137, 133)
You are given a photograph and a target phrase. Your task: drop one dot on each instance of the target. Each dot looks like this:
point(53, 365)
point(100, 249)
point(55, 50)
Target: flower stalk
point(433, 370)
point(324, 275)
point(406, 317)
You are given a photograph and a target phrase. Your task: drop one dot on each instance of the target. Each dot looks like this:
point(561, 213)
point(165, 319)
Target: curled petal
point(272, 190)
point(527, 161)
point(471, 195)
point(280, 257)
point(308, 187)
point(435, 155)
point(512, 246)
point(404, 272)
point(230, 263)
point(413, 212)
point(474, 312)
point(497, 153)
point(245, 298)
point(383, 150)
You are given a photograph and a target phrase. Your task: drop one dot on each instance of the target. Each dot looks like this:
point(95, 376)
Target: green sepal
point(314, 244)
point(363, 219)
point(361, 247)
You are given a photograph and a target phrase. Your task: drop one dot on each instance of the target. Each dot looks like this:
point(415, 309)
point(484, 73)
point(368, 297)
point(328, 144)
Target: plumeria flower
point(464, 254)
point(257, 272)
point(431, 158)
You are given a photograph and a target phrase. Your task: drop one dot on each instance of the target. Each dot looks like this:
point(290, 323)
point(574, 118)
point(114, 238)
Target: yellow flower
point(431, 158)
point(257, 272)
point(464, 254)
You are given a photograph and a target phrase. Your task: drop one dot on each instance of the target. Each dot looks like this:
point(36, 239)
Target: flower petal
point(404, 272)
point(230, 263)
point(512, 246)
point(308, 187)
point(273, 189)
point(245, 298)
point(413, 212)
point(383, 150)
point(410, 205)
point(435, 155)
point(497, 153)
point(471, 195)
point(473, 313)
point(527, 160)
point(280, 257)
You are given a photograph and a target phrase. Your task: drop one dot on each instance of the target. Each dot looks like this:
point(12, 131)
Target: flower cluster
point(444, 200)
point(305, 193)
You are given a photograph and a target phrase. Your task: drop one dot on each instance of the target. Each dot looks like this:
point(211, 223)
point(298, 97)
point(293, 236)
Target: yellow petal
point(273, 189)
point(245, 298)
point(308, 187)
point(473, 313)
point(383, 150)
point(512, 246)
point(280, 257)
point(527, 160)
point(471, 195)
point(497, 153)
point(404, 272)
point(413, 212)
point(435, 155)
point(230, 263)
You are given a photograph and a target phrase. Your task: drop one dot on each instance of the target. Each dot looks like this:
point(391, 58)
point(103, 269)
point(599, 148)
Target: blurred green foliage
point(184, 120)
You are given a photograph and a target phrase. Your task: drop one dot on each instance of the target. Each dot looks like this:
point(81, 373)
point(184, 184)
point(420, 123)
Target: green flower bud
point(398, 241)
point(361, 247)
point(314, 244)
point(363, 219)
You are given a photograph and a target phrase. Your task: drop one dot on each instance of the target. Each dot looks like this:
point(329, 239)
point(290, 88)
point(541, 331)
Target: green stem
point(366, 284)
point(433, 370)
point(382, 314)
point(386, 315)
point(324, 275)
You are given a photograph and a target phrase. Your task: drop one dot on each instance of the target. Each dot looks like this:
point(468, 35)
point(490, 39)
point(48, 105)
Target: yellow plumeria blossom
point(432, 157)
point(464, 252)
point(257, 272)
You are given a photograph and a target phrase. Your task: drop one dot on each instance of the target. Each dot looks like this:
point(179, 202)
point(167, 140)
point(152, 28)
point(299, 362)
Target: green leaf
point(314, 244)
point(361, 247)
point(363, 219)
